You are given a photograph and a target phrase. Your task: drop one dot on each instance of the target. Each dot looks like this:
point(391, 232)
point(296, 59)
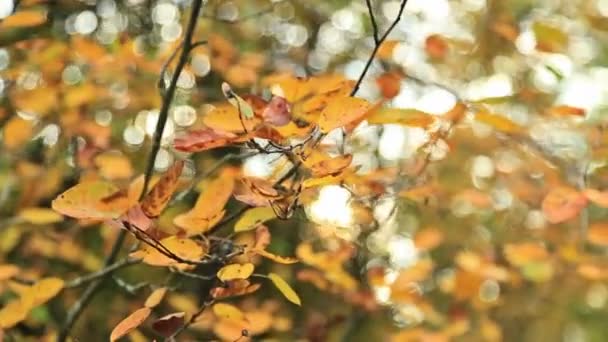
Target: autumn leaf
point(389, 84)
point(436, 46)
point(203, 139)
point(242, 106)
point(227, 311)
point(133, 321)
point(8, 271)
point(341, 112)
point(562, 204)
point(25, 18)
point(13, 313)
point(276, 258)
point(277, 112)
point(564, 110)
point(156, 200)
point(407, 117)
point(155, 297)
point(16, 132)
point(252, 218)
point(225, 119)
point(168, 324)
point(498, 122)
point(599, 198)
point(186, 249)
point(597, 234)
point(235, 271)
point(40, 216)
point(238, 287)
point(285, 289)
point(42, 291)
point(92, 200)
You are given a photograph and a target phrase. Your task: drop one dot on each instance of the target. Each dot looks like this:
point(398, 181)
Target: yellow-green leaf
point(254, 217)
point(285, 289)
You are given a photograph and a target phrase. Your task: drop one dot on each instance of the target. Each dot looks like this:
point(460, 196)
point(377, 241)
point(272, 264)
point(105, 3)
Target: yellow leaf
point(155, 297)
point(40, 216)
point(498, 122)
point(549, 38)
point(276, 258)
point(156, 200)
point(23, 19)
point(114, 165)
point(341, 112)
point(235, 271)
point(225, 118)
point(254, 217)
point(39, 101)
point(133, 321)
point(16, 132)
point(227, 311)
point(92, 200)
point(285, 289)
point(42, 291)
point(408, 117)
point(77, 96)
point(8, 271)
point(184, 248)
point(13, 313)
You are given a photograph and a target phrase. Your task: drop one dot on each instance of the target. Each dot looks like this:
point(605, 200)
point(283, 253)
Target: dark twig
point(88, 294)
point(101, 273)
point(192, 319)
point(372, 18)
point(377, 45)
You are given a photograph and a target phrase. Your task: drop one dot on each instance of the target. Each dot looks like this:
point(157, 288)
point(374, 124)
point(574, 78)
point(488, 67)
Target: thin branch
point(192, 319)
point(377, 45)
point(101, 273)
point(372, 18)
point(90, 292)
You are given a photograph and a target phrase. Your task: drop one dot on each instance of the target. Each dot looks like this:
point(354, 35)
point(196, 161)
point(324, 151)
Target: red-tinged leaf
point(277, 112)
point(435, 46)
point(134, 216)
point(203, 139)
point(562, 204)
point(133, 321)
point(156, 200)
point(262, 237)
point(167, 325)
point(566, 110)
point(389, 84)
point(256, 192)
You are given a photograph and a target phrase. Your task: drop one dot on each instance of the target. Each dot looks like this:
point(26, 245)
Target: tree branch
point(372, 18)
point(101, 273)
point(90, 292)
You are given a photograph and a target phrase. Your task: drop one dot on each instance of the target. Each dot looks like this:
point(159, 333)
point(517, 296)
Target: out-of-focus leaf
point(407, 117)
point(227, 311)
point(597, 234)
point(498, 122)
point(549, 38)
point(40, 216)
point(155, 297)
point(25, 18)
point(252, 218)
point(132, 321)
point(168, 324)
point(562, 204)
point(186, 249)
point(285, 289)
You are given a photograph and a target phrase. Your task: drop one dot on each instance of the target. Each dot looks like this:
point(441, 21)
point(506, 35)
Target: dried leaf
point(203, 139)
point(156, 200)
point(285, 289)
point(235, 271)
point(168, 324)
point(332, 166)
point(133, 321)
point(252, 218)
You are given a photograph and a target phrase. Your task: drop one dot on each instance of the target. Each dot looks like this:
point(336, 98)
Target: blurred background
point(460, 251)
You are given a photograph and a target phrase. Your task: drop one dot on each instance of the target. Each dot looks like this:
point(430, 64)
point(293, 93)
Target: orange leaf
point(498, 122)
point(8, 271)
point(17, 132)
point(156, 200)
point(598, 234)
point(562, 204)
point(435, 46)
point(133, 321)
point(225, 118)
point(389, 84)
point(564, 110)
point(331, 166)
point(386, 49)
point(341, 112)
point(23, 19)
point(204, 139)
point(92, 200)
point(155, 297)
point(599, 198)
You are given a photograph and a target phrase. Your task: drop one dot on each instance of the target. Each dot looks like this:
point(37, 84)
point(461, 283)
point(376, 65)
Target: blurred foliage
point(328, 170)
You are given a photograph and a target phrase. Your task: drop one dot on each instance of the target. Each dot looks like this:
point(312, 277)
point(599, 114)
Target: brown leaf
point(156, 200)
point(168, 324)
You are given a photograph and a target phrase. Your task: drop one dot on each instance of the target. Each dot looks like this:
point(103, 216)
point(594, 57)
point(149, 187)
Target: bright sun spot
point(332, 207)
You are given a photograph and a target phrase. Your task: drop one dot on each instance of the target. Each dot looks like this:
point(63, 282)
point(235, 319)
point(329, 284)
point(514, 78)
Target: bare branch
point(372, 18)
point(101, 273)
